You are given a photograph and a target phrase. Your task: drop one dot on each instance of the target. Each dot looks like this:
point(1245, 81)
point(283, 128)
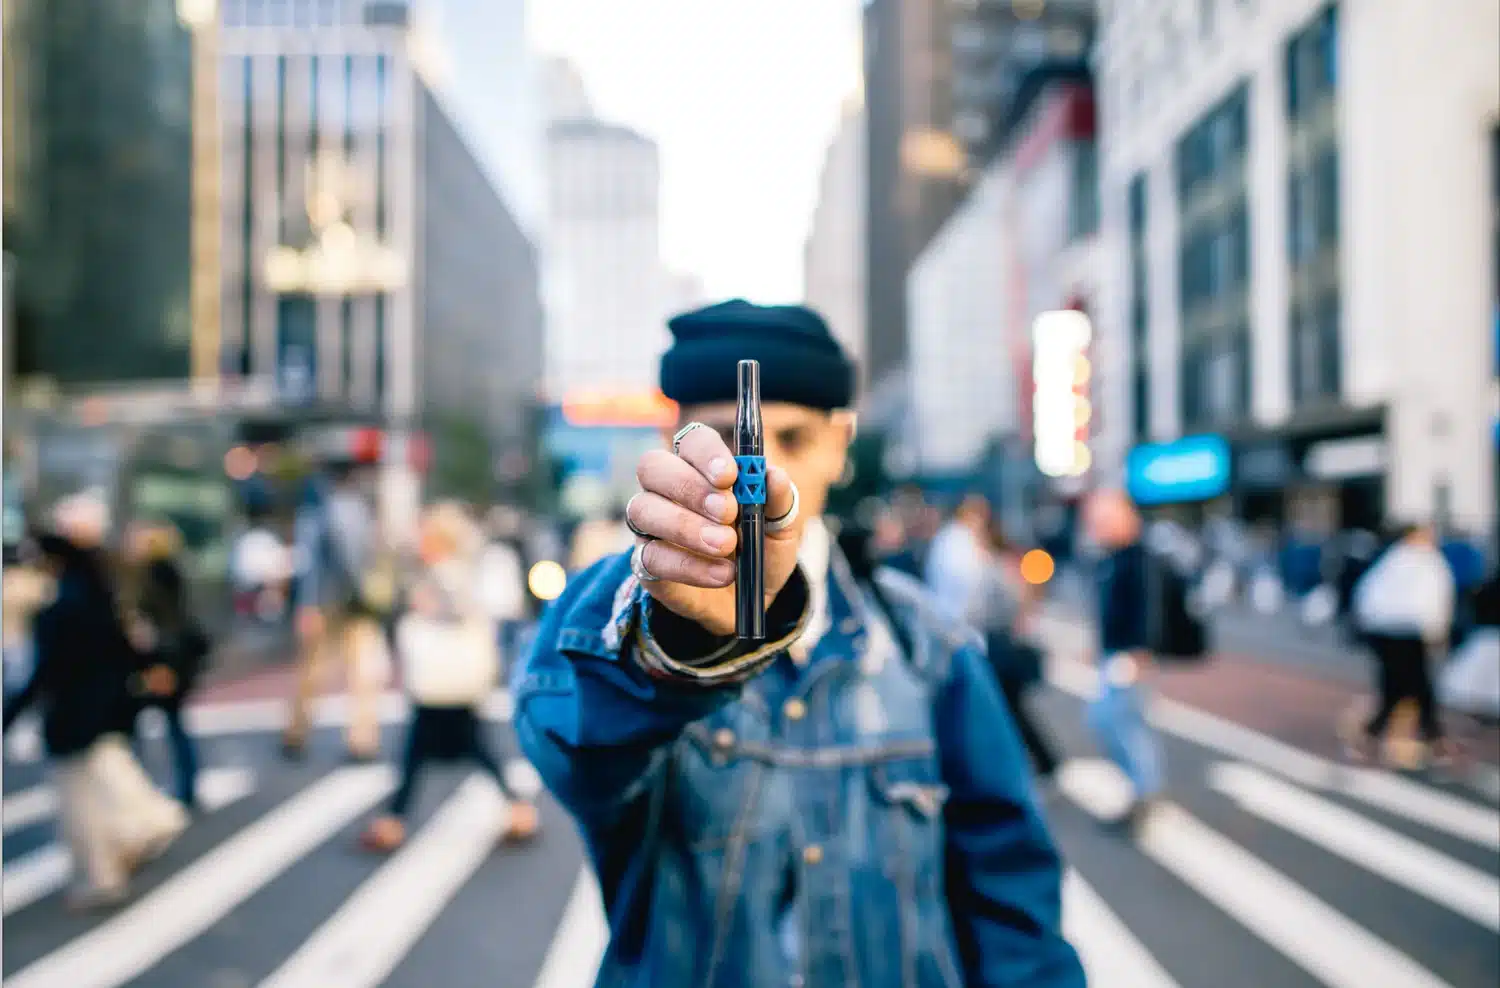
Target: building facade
point(833, 259)
point(370, 266)
point(1300, 252)
point(914, 167)
point(98, 184)
point(963, 381)
point(611, 292)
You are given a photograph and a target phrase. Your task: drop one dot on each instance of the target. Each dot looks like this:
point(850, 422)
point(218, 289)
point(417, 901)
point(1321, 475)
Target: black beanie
point(800, 361)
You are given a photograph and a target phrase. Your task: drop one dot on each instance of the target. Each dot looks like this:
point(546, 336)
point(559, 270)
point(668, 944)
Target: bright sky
point(742, 96)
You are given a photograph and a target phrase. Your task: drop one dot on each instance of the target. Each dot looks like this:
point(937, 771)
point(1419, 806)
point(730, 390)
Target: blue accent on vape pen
point(750, 485)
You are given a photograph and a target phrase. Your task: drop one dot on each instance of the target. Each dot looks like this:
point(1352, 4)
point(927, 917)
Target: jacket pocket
point(908, 797)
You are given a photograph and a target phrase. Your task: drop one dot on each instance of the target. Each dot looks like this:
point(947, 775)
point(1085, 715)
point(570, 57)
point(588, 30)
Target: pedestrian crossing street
point(1270, 867)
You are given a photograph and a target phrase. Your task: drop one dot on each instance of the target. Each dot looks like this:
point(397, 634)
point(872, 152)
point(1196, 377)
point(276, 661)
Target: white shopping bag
point(1470, 682)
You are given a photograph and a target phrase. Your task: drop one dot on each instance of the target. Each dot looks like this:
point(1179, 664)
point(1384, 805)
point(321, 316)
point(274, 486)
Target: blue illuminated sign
point(1193, 469)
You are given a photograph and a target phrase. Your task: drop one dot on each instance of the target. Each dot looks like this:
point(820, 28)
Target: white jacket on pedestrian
point(1409, 591)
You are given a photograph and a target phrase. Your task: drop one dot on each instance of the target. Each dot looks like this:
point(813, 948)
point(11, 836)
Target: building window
point(1313, 210)
point(1083, 204)
point(1140, 310)
point(1214, 266)
point(1312, 65)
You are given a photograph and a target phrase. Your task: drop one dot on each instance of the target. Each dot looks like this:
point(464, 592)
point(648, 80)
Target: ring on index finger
point(682, 434)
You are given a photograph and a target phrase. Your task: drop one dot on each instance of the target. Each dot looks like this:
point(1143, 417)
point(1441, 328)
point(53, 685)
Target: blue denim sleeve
point(598, 698)
point(1004, 875)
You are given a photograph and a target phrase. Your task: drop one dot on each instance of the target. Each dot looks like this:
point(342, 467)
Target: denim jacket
point(864, 818)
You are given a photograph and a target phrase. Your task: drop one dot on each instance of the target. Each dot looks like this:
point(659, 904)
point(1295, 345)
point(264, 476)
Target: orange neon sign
point(646, 409)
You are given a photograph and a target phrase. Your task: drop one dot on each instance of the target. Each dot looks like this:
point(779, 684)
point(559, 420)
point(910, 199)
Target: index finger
point(704, 449)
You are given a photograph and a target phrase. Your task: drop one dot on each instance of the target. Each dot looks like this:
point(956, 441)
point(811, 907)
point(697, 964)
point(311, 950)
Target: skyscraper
point(98, 152)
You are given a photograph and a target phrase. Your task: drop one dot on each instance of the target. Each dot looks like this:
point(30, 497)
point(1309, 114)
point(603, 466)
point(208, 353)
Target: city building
point(913, 171)
point(487, 76)
point(610, 290)
point(370, 265)
point(564, 96)
point(962, 372)
point(833, 260)
point(1300, 252)
point(983, 298)
point(998, 46)
point(945, 82)
point(98, 169)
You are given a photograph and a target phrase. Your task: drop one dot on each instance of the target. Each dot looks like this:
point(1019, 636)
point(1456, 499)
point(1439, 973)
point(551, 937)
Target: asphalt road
point(1272, 867)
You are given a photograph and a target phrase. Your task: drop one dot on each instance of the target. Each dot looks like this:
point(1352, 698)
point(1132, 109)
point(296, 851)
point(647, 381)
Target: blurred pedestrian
point(778, 811)
point(450, 666)
point(1404, 609)
point(501, 579)
point(27, 588)
point(958, 558)
point(112, 816)
point(343, 594)
point(596, 538)
point(261, 568)
point(1006, 615)
point(1118, 711)
point(175, 645)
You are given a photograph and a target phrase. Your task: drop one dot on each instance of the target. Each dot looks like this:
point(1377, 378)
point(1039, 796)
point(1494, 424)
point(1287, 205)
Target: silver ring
point(786, 520)
point(682, 434)
point(638, 562)
point(630, 524)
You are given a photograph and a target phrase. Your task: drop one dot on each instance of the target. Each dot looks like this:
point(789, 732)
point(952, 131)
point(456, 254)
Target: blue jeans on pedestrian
point(184, 752)
point(1118, 719)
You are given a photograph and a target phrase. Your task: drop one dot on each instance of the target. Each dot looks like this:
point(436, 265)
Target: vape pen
point(750, 492)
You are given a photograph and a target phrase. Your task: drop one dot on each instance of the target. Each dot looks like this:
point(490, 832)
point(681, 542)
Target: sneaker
point(523, 825)
point(383, 835)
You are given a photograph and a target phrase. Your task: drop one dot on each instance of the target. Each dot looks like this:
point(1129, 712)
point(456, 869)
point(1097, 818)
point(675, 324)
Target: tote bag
point(447, 663)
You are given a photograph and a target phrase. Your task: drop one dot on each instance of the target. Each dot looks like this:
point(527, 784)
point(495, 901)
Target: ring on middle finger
point(630, 522)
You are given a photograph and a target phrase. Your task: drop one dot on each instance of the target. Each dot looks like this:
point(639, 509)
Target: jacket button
point(794, 710)
point(849, 625)
point(723, 738)
point(812, 854)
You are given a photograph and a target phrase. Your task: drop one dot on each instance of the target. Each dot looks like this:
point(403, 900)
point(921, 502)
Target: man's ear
point(847, 423)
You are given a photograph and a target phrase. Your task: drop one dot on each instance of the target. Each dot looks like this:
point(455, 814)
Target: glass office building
point(98, 205)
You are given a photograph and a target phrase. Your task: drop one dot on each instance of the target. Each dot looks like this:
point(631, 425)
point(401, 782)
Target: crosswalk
point(1269, 866)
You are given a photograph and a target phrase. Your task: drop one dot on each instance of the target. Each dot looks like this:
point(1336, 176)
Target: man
point(1117, 713)
point(336, 545)
point(844, 803)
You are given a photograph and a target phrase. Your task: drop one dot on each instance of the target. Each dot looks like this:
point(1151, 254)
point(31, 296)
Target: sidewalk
point(1280, 696)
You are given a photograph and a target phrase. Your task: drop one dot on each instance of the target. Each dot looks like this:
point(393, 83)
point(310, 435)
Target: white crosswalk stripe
point(1301, 926)
point(1227, 856)
point(1467, 891)
point(44, 871)
point(183, 907)
point(360, 945)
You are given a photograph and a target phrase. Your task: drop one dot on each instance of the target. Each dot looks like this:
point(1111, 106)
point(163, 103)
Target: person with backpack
point(1123, 579)
point(845, 801)
point(343, 594)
